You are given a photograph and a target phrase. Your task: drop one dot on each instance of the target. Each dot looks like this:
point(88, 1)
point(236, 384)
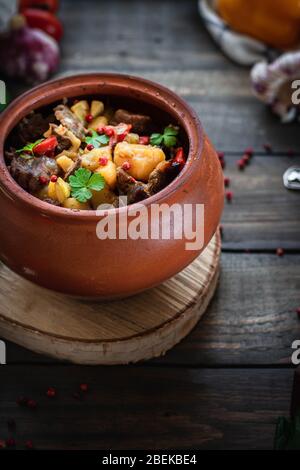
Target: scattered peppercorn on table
point(219, 388)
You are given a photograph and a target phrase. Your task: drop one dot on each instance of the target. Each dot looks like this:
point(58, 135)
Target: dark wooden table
point(224, 386)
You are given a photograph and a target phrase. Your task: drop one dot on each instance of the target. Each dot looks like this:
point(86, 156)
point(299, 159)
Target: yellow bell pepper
point(275, 22)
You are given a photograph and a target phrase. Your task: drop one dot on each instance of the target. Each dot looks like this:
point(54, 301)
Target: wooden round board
point(117, 332)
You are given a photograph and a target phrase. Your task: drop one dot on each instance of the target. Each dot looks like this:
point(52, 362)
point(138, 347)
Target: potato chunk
point(81, 109)
point(72, 203)
point(98, 122)
point(109, 173)
point(64, 162)
point(142, 159)
point(97, 107)
point(59, 191)
point(105, 196)
point(52, 191)
point(62, 190)
point(91, 159)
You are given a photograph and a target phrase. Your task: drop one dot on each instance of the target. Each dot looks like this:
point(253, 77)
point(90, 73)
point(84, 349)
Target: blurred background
point(169, 42)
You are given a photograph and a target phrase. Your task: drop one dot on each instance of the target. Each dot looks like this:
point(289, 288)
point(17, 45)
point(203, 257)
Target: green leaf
point(83, 181)
point(168, 138)
point(96, 182)
point(156, 139)
point(170, 130)
point(287, 434)
point(83, 175)
point(81, 194)
point(29, 147)
point(97, 140)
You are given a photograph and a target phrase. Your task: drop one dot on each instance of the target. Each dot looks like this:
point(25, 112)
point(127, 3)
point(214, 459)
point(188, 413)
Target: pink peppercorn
point(126, 166)
point(103, 161)
point(246, 159)
point(29, 445)
point(51, 392)
point(108, 131)
point(240, 164)
point(229, 195)
point(84, 387)
point(32, 404)
point(249, 151)
point(10, 442)
point(226, 182)
point(43, 180)
point(89, 118)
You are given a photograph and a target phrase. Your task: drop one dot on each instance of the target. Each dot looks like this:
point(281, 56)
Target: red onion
point(28, 53)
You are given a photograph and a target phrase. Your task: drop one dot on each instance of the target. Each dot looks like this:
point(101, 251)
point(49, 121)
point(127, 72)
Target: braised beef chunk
point(140, 123)
point(63, 144)
point(32, 127)
point(10, 155)
point(162, 176)
point(69, 120)
point(27, 172)
point(134, 190)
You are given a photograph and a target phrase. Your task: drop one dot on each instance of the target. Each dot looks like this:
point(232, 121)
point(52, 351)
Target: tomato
point(46, 147)
point(144, 140)
point(179, 158)
point(48, 5)
point(45, 21)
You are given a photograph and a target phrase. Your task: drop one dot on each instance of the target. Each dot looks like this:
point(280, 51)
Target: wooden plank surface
point(263, 215)
point(252, 319)
point(146, 407)
point(169, 45)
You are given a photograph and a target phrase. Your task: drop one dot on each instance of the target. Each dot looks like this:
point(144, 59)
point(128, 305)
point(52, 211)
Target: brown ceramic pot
point(58, 248)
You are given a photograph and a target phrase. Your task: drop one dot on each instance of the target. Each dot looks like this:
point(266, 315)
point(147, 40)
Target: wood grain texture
point(170, 45)
point(251, 320)
point(146, 407)
point(119, 332)
point(263, 215)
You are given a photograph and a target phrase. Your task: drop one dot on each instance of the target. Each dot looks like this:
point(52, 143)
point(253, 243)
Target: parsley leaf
point(168, 138)
point(97, 140)
point(28, 148)
point(83, 181)
point(96, 182)
point(82, 194)
point(156, 139)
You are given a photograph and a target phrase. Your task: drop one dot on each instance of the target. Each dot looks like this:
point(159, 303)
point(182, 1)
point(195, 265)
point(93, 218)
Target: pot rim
point(53, 89)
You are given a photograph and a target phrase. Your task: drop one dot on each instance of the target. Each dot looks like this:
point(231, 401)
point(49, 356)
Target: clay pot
point(58, 248)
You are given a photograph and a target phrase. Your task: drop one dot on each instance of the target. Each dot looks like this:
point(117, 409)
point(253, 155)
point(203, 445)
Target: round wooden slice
point(117, 332)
